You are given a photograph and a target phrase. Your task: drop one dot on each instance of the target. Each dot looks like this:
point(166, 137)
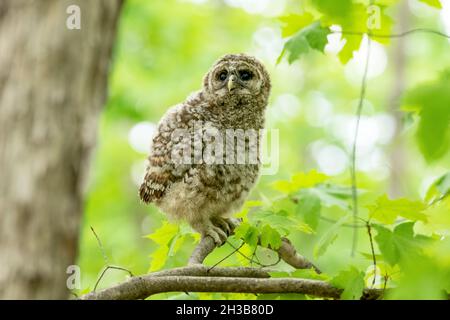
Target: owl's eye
point(222, 75)
point(245, 75)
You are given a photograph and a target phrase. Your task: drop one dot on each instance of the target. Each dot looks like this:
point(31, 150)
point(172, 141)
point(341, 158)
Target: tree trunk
point(52, 89)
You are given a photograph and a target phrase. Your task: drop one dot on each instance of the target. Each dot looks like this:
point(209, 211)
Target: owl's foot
point(219, 236)
point(226, 224)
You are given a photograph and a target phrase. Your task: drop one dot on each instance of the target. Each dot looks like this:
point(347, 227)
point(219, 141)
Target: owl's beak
point(231, 83)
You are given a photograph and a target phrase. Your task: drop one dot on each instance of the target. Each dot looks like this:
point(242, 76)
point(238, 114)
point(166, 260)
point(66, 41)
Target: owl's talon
point(233, 223)
point(218, 235)
point(222, 224)
point(226, 224)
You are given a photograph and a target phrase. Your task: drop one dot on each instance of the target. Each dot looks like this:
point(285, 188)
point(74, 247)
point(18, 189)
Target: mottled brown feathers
point(200, 193)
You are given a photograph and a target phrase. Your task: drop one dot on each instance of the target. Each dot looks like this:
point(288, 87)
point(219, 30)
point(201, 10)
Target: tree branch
point(202, 279)
point(289, 254)
point(202, 250)
point(142, 287)
point(205, 271)
point(199, 278)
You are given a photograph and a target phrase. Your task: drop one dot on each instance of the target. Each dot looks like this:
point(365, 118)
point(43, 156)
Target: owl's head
point(237, 75)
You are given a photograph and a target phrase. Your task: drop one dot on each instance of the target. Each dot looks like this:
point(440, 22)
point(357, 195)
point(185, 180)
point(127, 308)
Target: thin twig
point(374, 258)
point(348, 225)
point(106, 269)
point(243, 255)
point(226, 257)
point(254, 256)
point(386, 278)
point(442, 197)
point(105, 258)
point(398, 35)
point(262, 265)
point(355, 140)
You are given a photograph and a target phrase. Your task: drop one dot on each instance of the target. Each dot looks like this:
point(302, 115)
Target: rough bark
point(203, 279)
point(143, 287)
point(52, 89)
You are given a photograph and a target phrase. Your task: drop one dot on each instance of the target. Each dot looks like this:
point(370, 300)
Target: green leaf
point(253, 203)
point(283, 186)
point(158, 258)
point(270, 238)
point(352, 44)
point(296, 46)
point(383, 271)
point(432, 194)
point(438, 188)
point(352, 17)
point(175, 244)
point(305, 228)
point(443, 184)
point(242, 229)
point(299, 181)
point(433, 3)
point(167, 235)
point(329, 237)
point(400, 243)
point(281, 220)
point(313, 36)
point(247, 251)
point(309, 179)
point(333, 195)
point(309, 207)
point(278, 219)
point(386, 211)
point(246, 208)
point(317, 36)
point(252, 237)
point(294, 22)
point(334, 8)
point(431, 101)
point(438, 218)
point(422, 279)
point(386, 2)
point(164, 234)
point(352, 281)
point(248, 233)
point(283, 204)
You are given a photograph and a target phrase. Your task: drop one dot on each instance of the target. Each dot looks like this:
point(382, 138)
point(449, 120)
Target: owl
point(199, 167)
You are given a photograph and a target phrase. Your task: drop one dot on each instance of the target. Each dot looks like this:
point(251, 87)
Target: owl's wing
point(162, 171)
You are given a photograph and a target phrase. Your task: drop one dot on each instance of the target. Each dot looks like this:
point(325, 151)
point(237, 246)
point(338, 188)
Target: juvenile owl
point(204, 158)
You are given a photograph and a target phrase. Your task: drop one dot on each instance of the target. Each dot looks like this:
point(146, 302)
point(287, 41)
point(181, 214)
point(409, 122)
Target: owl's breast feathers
point(162, 172)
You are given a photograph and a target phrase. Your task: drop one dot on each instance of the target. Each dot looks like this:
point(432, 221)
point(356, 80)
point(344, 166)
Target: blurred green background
point(164, 48)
